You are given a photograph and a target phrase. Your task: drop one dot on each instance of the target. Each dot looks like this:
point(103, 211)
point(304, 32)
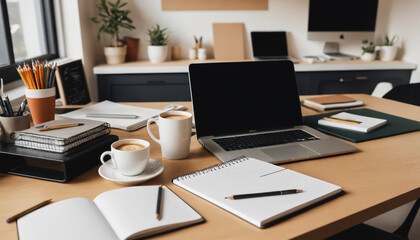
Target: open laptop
point(253, 109)
point(270, 46)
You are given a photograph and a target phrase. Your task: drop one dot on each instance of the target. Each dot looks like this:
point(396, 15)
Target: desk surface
point(181, 66)
point(384, 174)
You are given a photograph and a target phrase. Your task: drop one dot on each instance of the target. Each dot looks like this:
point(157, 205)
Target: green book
point(395, 125)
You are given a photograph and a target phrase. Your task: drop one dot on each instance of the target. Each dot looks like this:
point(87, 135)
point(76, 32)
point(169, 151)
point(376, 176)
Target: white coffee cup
point(174, 132)
point(128, 156)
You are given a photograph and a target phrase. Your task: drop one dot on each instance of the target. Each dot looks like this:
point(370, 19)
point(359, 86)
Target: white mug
point(175, 133)
point(128, 156)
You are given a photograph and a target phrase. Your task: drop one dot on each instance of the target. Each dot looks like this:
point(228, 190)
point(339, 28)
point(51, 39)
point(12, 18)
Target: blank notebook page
point(243, 175)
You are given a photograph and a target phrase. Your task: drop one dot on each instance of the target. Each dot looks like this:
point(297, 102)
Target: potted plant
point(388, 51)
point(157, 50)
point(112, 17)
point(368, 53)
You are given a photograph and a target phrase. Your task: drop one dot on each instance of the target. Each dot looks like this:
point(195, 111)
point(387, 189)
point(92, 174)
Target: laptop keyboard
point(264, 139)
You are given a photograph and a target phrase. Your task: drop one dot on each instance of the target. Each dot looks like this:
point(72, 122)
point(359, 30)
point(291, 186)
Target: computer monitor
point(335, 21)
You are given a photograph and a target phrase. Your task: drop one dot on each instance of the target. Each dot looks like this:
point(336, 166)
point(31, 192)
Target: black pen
point(22, 107)
point(8, 106)
point(159, 203)
point(264, 194)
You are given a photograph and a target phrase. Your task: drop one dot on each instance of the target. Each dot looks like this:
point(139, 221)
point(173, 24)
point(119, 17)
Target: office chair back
point(408, 93)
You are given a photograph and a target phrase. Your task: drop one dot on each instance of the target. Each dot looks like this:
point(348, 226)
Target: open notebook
point(126, 213)
point(248, 175)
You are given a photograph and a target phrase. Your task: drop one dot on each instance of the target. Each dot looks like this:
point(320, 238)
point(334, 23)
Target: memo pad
point(395, 125)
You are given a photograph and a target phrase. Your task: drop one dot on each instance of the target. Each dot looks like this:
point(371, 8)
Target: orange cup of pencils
point(40, 93)
point(41, 104)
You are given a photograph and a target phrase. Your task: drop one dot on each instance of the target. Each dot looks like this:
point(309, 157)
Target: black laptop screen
point(266, 44)
point(244, 96)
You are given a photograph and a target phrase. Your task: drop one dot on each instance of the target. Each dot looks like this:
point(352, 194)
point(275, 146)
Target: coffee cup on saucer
point(129, 156)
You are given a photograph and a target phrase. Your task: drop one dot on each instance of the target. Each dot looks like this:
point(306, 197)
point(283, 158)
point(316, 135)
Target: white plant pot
point(115, 55)
point(368, 56)
point(157, 54)
point(387, 53)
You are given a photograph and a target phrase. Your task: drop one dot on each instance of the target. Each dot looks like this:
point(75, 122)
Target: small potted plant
point(368, 51)
point(111, 18)
point(388, 51)
point(157, 50)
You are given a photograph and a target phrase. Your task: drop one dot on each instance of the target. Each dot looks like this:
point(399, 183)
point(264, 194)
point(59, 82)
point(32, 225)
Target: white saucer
point(153, 169)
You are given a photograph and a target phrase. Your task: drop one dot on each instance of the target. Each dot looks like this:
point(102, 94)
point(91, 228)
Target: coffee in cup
point(175, 116)
point(175, 133)
point(128, 156)
point(130, 147)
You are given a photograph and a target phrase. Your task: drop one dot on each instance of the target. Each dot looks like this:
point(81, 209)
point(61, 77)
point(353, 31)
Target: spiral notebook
point(244, 175)
point(61, 140)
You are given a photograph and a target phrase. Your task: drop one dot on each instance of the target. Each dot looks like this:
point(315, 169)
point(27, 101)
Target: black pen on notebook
point(264, 194)
point(159, 203)
point(31, 209)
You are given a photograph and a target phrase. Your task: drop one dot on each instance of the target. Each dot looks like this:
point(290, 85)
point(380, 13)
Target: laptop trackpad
point(289, 152)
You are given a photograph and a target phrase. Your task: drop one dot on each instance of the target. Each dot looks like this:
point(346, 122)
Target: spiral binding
point(59, 148)
point(211, 168)
point(48, 140)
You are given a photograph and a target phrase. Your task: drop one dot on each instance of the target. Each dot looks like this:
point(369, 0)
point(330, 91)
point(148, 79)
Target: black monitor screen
point(265, 44)
point(346, 16)
point(244, 96)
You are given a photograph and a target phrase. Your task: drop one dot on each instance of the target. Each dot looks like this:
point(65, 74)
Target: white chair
point(381, 89)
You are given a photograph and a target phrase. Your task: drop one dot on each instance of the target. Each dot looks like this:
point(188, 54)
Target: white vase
point(157, 54)
point(368, 56)
point(115, 55)
point(387, 53)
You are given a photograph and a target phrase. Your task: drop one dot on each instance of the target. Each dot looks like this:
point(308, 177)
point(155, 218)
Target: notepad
point(248, 175)
point(61, 140)
point(364, 124)
point(126, 213)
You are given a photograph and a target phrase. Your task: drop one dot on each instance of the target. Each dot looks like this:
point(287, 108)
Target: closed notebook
point(331, 102)
point(357, 122)
point(125, 213)
point(108, 107)
point(395, 125)
point(61, 140)
point(248, 175)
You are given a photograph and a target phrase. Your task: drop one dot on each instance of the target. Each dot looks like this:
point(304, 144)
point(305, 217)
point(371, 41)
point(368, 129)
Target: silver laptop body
point(243, 100)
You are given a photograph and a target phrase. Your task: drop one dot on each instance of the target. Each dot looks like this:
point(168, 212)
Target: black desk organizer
point(57, 167)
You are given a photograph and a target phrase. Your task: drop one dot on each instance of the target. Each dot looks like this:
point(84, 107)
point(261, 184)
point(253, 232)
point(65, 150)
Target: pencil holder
point(41, 104)
point(10, 124)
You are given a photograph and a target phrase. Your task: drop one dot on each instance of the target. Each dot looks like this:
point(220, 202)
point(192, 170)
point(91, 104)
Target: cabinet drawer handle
point(353, 79)
point(155, 82)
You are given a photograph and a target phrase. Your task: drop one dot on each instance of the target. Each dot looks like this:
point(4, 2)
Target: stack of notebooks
point(61, 140)
point(119, 116)
point(331, 102)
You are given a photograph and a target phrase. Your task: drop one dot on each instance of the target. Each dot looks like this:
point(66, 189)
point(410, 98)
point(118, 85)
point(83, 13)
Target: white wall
point(403, 20)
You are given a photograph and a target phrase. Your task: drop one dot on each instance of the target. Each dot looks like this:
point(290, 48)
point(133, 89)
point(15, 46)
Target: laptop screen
point(241, 97)
point(266, 44)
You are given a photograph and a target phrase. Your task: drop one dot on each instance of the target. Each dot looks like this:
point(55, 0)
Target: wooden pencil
point(31, 209)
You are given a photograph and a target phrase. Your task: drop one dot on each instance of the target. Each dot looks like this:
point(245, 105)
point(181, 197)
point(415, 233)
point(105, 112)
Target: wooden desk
point(383, 175)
